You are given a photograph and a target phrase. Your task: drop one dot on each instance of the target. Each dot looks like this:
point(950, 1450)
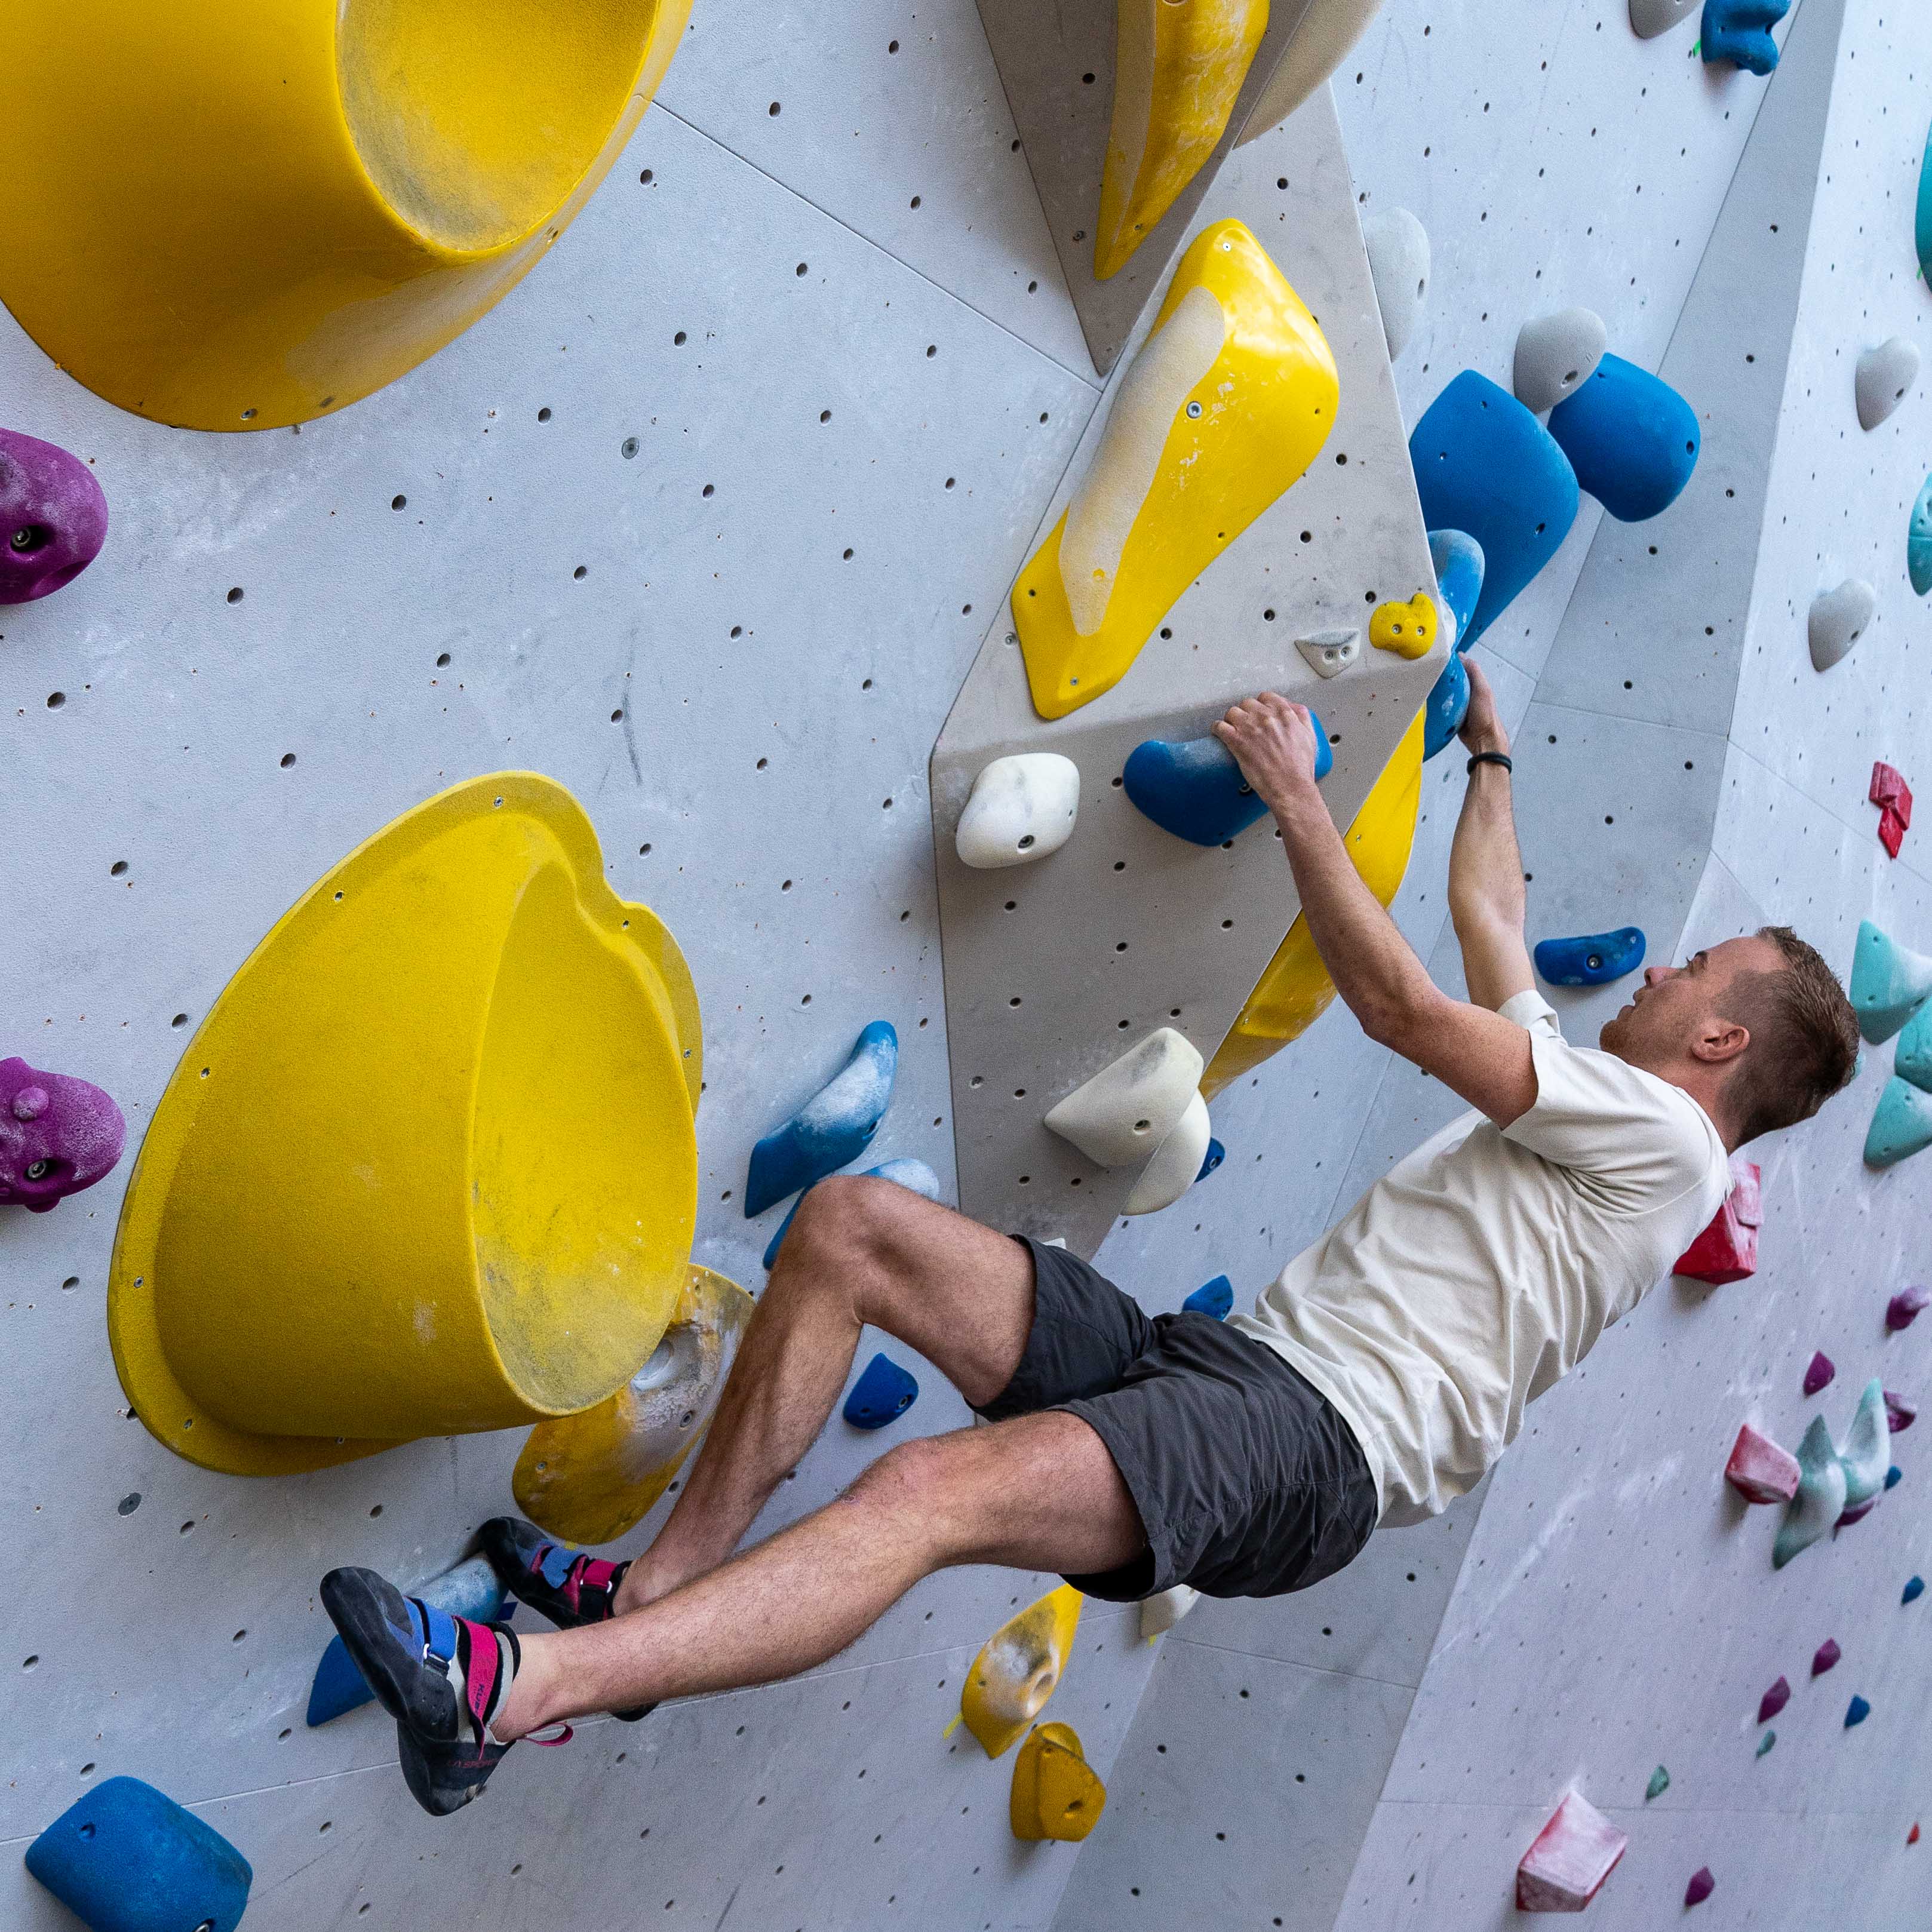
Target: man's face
point(1675, 1005)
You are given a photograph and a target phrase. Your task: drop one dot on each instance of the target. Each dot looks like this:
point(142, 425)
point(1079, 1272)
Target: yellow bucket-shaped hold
point(235, 213)
point(1019, 1668)
point(429, 1166)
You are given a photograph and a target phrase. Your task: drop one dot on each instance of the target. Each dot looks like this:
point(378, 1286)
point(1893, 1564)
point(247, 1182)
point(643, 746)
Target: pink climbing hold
point(1701, 1886)
point(1571, 1857)
point(1827, 1654)
point(1820, 1371)
point(1759, 1470)
point(1893, 796)
point(1774, 1700)
point(1899, 1413)
point(1727, 1249)
point(1902, 1310)
point(58, 1135)
point(53, 517)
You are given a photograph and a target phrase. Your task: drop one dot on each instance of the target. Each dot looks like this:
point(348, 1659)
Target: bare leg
point(1039, 1492)
point(861, 1250)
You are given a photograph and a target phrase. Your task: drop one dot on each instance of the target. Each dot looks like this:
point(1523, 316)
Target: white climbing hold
point(1556, 354)
point(1885, 376)
point(1022, 809)
point(1838, 620)
point(1327, 30)
point(1176, 1163)
point(1649, 18)
point(1163, 1610)
point(1398, 246)
point(1132, 1105)
point(1867, 1453)
point(1330, 653)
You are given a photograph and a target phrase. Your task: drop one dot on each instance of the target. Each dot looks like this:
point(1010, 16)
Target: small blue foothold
point(1215, 1297)
point(1631, 438)
point(831, 1129)
point(1856, 1712)
point(1591, 959)
point(1445, 707)
point(1893, 1477)
point(1915, 1588)
point(127, 1858)
point(1195, 789)
point(1918, 541)
point(1458, 559)
point(1739, 31)
point(881, 1395)
point(1215, 1154)
point(913, 1173)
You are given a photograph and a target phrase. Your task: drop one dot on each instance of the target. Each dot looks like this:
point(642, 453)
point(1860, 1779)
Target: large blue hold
point(1445, 707)
point(1458, 559)
point(1591, 958)
point(913, 1173)
point(1739, 31)
point(1485, 466)
point(1922, 227)
point(1195, 789)
point(881, 1395)
point(1632, 439)
point(1215, 1297)
point(832, 1129)
point(127, 1858)
point(1918, 540)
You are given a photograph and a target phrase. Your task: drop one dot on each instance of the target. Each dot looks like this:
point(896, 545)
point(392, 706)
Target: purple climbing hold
point(1827, 1654)
point(1774, 1700)
point(58, 1135)
point(1899, 1413)
point(1902, 1310)
point(1701, 1886)
point(1856, 1712)
point(1820, 1371)
point(53, 517)
point(1856, 1513)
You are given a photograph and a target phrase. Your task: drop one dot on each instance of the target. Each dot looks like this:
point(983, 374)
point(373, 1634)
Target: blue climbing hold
point(1458, 559)
point(881, 1395)
point(1212, 1159)
point(1445, 707)
point(1893, 1477)
point(831, 1129)
point(1739, 31)
point(913, 1173)
point(1918, 540)
point(1915, 1588)
point(1591, 959)
point(1913, 1059)
point(1215, 1298)
point(1888, 981)
point(1195, 789)
point(1856, 1712)
point(127, 1858)
point(1901, 1124)
point(1631, 438)
point(1485, 466)
point(1922, 234)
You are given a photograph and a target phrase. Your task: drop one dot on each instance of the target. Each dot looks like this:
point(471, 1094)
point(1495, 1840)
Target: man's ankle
point(525, 1709)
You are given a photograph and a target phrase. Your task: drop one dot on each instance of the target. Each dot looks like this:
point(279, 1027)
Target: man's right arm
point(1486, 901)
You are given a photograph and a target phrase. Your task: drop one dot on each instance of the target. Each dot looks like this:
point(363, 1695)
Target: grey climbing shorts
point(1248, 1481)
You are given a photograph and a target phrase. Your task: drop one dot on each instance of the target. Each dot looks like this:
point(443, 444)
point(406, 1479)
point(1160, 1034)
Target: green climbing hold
point(1660, 1782)
point(1820, 1500)
point(1765, 1743)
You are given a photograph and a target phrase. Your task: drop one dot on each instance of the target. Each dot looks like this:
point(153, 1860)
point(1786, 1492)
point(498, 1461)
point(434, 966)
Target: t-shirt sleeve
point(1532, 1012)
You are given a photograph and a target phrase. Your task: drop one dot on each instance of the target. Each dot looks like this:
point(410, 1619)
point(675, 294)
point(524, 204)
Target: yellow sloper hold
point(1178, 67)
point(1056, 1794)
point(1226, 404)
point(1017, 1669)
point(429, 1165)
point(1407, 629)
point(1295, 990)
point(239, 214)
point(592, 1478)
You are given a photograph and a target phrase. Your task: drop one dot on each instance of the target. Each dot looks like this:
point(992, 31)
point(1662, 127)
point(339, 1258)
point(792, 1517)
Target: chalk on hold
point(1554, 353)
point(1215, 1297)
point(1445, 707)
point(1176, 1164)
point(53, 517)
point(1485, 466)
point(1915, 1588)
point(127, 1858)
point(1726, 1251)
point(832, 1129)
point(1774, 1700)
point(1591, 958)
point(1889, 982)
point(1572, 1856)
point(1819, 1372)
point(1701, 1886)
point(1826, 1658)
point(1885, 373)
point(1056, 1794)
point(1866, 1452)
point(1128, 1108)
point(882, 1394)
point(1649, 18)
point(1739, 31)
point(1018, 1669)
point(1900, 1413)
point(1165, 1609)
point(58, 1134)
point(1225, 405)
point(1903, 1309)
point(1398, 249)
point(1329, 653)
point(1177, 71)
point(1856, 1712)
point(1408, 629)
point(1196, 791)
point(1820, 1500)
point(1837, 621)
point(1759, 1470)
point(1212, 1159)
point(1021, 807)
point(914, 1175)
point(1918, 540)
point(1632, 439)
point(1458, 561)
point(1660, 1782)
point(1901, 1124)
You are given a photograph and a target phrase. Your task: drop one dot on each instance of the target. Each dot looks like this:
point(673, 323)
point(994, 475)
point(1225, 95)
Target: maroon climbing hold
point(1727, 1249)
point(58, 1135)
point(53, 517)
point(1759, 1470)
point(1701, 1886)
point(1899, 1414)
point(1773, 1701)
point(1856, 1513)
point(1829, 1654)
point(1902, 1310)
point(1571, 1857)
point(1818, 1371)
point(1893, 796)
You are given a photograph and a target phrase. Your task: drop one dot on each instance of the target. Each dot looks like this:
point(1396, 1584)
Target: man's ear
point(1720, 1041)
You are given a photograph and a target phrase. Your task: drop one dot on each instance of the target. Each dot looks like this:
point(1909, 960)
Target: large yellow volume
point(1226, 404)
point(229, 215)
point(1295, 991)
point(1019, 1668)
point(1178, 66)
point(429, 1165)
point(1056, 1793)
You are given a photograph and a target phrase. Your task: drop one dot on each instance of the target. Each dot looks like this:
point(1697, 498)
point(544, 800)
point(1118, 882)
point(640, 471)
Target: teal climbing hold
point(1820, 1500)
point(1856, 1712)
point(1913, 1060)
point(1922, 234)
point(1445, 707)
point(1918, 540)
point(1591, 958)
point(913, 1173)
point(1765, 1743)
point(881, 1395)
point(832, 1129)
point(1901, 1124)
point(1915, 1588)
point(1458, 560)
point(1632, 439)
point(1660, 1782)
point(1215, 1298)
point(1196, 791)
point(1739, 31)
point(127, 1858)
point(1867, 1450)
point(1889, 982)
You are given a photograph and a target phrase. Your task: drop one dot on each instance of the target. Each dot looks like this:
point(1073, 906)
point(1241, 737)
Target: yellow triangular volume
point(1056, 1794)
point(1017, 1669)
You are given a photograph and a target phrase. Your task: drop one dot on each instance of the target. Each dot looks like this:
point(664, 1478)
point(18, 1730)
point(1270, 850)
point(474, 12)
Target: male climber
point(1376, 1380)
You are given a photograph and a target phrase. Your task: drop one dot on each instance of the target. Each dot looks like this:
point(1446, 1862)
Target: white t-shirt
point(1484, 1266)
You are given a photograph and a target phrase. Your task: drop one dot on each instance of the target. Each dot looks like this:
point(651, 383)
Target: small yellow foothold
point(1407, 629)
point(1056, 1794)
point(1017, 1669)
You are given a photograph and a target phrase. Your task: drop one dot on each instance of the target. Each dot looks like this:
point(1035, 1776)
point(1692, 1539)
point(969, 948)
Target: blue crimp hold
point(1901, 1124)
point(1918, 540)
point(1445, 707)
point(1215, 1297)
point(1888, 982)
point(1195, 789)
point(1632, 439)
point(1739, 31)
point(1485, 466)
point(1856, 1712)
point(1458, 559)
point(831, 1129)
point(1915, 1588)
point(1893, 1477)
point(127, 1858)
point(913, 1173)
point(881, 1395)
point(1212, 1159)
point(1591, 959)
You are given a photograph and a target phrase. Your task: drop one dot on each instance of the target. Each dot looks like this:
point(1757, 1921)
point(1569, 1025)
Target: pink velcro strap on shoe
point(564, 1736)
point(480, 1674)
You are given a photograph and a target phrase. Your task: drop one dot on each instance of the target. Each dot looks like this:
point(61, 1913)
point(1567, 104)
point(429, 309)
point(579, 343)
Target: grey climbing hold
point(1885, 375)
point(1398, 246)
point(1820, 1500)
point(1660, 1782)
point(1123, 1114)
point(1838, 620)
point(1330, 653)
point(1165, 1609)
point(1555, 352)
point(1649, 18)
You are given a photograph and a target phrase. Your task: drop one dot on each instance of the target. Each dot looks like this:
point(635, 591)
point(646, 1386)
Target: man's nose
point(1651, 974)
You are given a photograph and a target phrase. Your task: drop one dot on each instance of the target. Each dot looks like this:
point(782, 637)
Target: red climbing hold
point(1893, 796)
point(1727, 1249)
point(1829, 1654)
point(1571, 1857)
point(1774, 1700)
point(1912, 1837)
point(1759, 1470)
point(1701, 1886)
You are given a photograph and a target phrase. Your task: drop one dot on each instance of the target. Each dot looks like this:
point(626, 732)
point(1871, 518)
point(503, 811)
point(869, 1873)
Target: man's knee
point(846, 1218)
point(910, 1479)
